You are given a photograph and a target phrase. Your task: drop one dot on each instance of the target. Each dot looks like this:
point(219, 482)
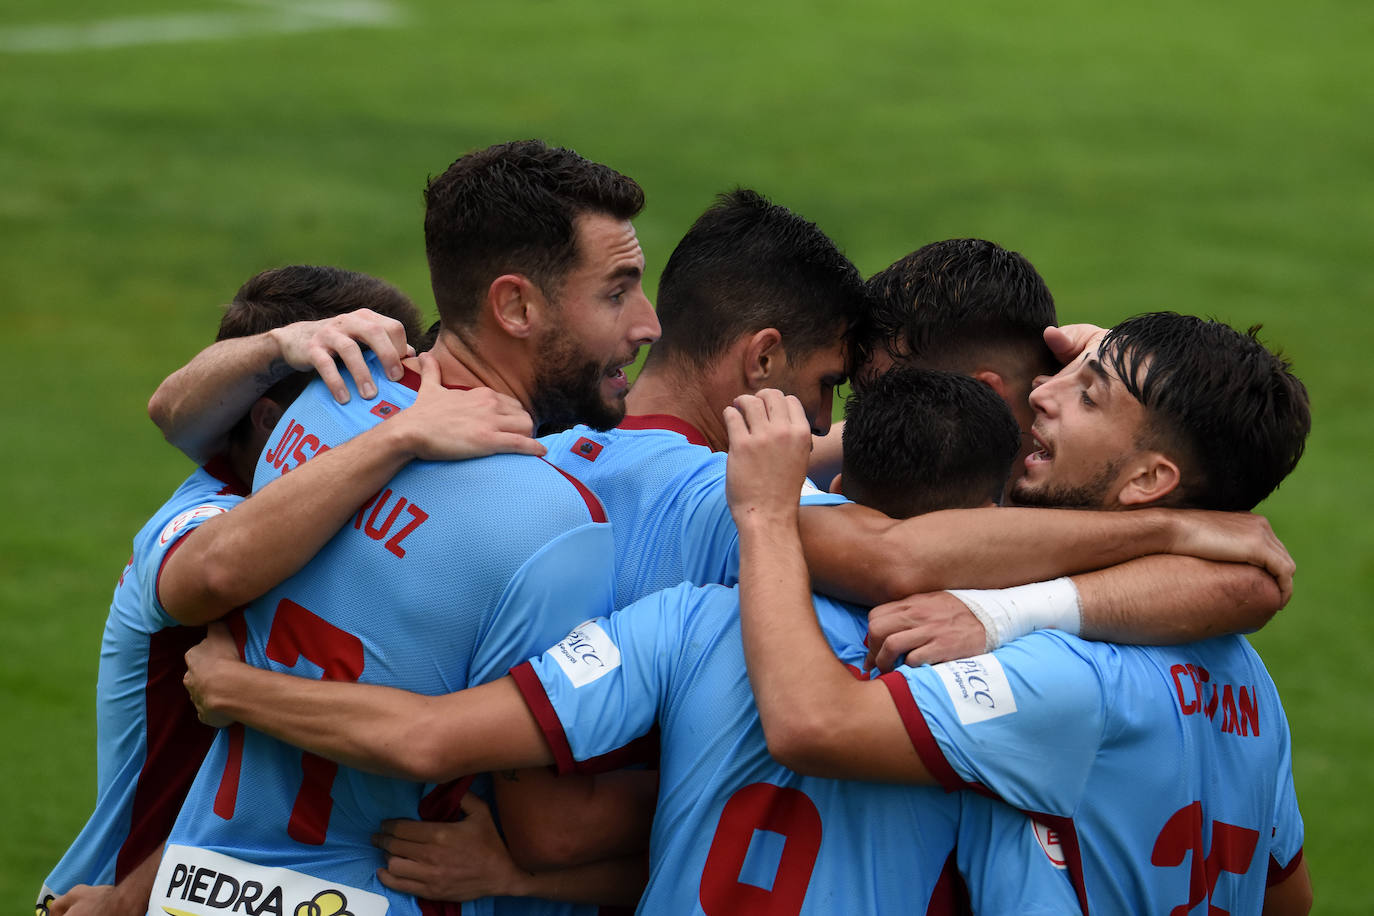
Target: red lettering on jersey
point(418, 517)
point(292, 435)
point(1188, 706)
point(308, 441)
point(378, 532)
point(1249, 711)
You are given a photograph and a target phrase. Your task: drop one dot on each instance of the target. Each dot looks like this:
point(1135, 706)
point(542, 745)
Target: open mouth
point(1042, 454)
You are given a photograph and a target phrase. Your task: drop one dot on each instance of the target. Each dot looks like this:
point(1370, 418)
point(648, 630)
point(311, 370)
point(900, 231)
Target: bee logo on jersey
point(41, 908)
point(198, 882)
point(587, 448)
point(385, 409)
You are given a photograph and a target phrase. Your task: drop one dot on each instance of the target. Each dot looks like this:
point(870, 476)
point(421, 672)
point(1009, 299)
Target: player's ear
point(837, 485)
point(516, 304)
point(995, 381)
point(264, 416)
point(764, 358)
point(1151, 477)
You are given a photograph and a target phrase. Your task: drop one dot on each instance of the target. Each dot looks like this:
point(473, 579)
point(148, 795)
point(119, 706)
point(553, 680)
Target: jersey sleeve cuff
point(532, 690)
point(919, 733)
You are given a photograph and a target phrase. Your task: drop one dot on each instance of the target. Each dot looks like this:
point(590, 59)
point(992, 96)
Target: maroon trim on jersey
point(176, 744)
point(411, 379)
point(593, 504)
point(220, 468)
point(919, 732)
point(227, 795)
point(538, 701)
point(949, 897)
point(1278, 873)
point(665, 421)
point(1073, 856)
point(643, 750)
point(443, 803)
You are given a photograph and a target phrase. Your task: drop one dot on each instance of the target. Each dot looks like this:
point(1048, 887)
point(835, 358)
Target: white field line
point(262, 18)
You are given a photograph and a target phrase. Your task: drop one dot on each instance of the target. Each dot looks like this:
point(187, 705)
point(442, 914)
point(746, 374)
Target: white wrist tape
point(1007, 613)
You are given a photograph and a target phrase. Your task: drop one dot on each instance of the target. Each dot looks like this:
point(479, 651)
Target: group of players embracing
point(443, 666)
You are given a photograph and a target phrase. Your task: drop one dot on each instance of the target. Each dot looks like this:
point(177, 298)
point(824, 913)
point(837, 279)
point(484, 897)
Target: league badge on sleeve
point(179, 524)
point(978, 688)
point(586, 654)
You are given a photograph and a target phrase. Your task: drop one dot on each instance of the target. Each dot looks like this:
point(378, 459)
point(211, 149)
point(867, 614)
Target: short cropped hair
point(748, 264)
point(285, 295)
point(300, 292)
point(918, 440)
point(945, 304)
point(511, 208)
point(1216, 400)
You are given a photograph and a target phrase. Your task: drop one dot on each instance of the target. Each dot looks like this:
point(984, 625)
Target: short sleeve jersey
point(664, 490)
point(452, 573)
point(1163, 772)
point(734, 831)
point(148, 739)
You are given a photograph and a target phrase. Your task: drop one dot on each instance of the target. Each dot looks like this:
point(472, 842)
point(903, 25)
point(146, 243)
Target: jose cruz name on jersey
point(295, 445)
point(384, 516)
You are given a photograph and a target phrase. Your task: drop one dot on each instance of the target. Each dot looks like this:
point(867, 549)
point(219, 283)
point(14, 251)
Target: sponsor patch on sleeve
point(586, 654)
point(179, 524)
point(978, 688)
point(1048, 838)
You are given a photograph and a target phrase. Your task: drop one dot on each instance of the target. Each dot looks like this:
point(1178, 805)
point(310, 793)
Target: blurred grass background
point(155, 153)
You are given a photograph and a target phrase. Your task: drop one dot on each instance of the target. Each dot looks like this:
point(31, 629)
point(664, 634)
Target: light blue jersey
point(1163, 772)
point(734, 831)
point(451, 574)
point(664, 492)
point(148, 739)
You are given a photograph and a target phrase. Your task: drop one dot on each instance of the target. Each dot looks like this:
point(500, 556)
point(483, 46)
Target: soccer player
point(193, 562)
point(1165, 771)
point(453, 571)
point(734, 831)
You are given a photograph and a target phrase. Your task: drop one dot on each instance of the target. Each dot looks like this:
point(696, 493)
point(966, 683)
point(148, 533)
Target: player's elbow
point(1254, 595)
point(807, 741)
point(426, 752)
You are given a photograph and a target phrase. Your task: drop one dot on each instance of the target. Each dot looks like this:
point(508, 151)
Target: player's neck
point(472, 362)
point(677, 394)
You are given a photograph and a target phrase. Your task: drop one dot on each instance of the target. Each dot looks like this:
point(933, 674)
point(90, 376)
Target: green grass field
point(1214, 159)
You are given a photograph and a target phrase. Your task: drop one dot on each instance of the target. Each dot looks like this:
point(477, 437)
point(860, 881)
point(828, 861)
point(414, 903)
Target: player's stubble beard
point(567, 387)
point(1049, 495)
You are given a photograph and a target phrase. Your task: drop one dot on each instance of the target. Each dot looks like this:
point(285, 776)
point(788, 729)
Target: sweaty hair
point(748, 264)
point(285, 295)
point(1217, 401)
point(510, 209)
point(944, 305)
point(918, 440)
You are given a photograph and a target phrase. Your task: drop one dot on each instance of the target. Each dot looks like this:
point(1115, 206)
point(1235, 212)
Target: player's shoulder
point(506, 486)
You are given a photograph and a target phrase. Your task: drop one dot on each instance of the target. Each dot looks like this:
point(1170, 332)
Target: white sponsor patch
point(586, 654)
point(979, 688)
point(198, 882)
point(1048, 838)
point(178, 524)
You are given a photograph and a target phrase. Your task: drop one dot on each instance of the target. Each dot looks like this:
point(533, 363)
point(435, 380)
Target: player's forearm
point(856, 554)
point(197, 405)
point(235, 557)
point(1169, 600)
point(799, 686)
point(612, 882)
point(380, 729)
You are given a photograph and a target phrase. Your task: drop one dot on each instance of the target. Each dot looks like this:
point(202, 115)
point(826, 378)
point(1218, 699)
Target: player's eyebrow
point(1094, 364)
point(628, 271)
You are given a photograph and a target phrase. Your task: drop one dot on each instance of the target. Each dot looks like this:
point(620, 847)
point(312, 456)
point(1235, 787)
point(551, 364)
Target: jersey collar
point(220, 468)
point(665, 421)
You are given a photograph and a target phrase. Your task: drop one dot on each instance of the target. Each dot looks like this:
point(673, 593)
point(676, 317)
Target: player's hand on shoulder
point(449, 860)
point(922, 630)
point(770, 446)
point(307, 345)
point(447, 424)
point(205, 662)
